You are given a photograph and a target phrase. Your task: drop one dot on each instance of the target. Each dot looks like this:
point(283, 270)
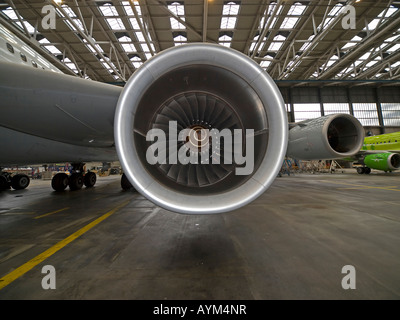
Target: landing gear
point(17, 182)
point(362, 170)
point(75, 181)
point(90, 179)
point(20, 181)
point(4, 182)
point(125, 184)
point(59, 182)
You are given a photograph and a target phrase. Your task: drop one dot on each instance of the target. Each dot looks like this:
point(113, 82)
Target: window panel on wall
point(304, 111)
point(391, 114)
point(331, 108)
point(366, 113)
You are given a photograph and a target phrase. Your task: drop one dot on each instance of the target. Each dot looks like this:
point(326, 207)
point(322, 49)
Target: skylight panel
point(90, 46)
point(28, 26)
point(46, 44)
point(127, 44)
point(134, 23)
point(372, 25)
point(179, 40)
point(128, 8)
point(106, 64)
point(108, 10)
point(394, 48)
point(129, 12)
point(9, 12)
point(265, 64)
point(307, 43)
point(289, 23)
point(178, 9)
point(116, 23)
point(353, 42)
point(389, 12)
point(335, 10)
point(365, 56)
point(275, 46)
point(70, 13)
point(140, 36)
point(277, 43)
point(228, 22)
point(70, 64)
point(136, 61)
point(296, 9)
point(230, 11)
point(231, 8)
point(225, 40)
point(395, 65)
point(371, 63)
point(145, 47)
point(176, 25)
point(331, 16)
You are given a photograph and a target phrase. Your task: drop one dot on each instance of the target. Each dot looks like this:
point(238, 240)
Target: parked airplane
point(381, 152)
point(49, 117)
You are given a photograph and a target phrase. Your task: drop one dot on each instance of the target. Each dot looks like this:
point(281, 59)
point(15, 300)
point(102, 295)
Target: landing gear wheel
point(59, 182)
point(360, 170)
point(75, 181)
point(90, 179)
point(20, 181)
point(4, 185)
point(367, 170)
point(125, 184)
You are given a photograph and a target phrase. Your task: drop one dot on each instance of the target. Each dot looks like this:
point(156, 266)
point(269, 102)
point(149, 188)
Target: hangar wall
point(377, 108)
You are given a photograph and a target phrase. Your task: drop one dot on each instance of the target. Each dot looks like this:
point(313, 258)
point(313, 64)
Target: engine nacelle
point(383, 161)
point(331, 137)
point(171, 111)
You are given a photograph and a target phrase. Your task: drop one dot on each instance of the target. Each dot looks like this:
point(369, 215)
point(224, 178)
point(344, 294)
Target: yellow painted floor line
point(13, 275)
point(47, 214)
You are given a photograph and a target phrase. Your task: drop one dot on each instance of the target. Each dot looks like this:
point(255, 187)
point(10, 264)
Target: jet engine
point(383, 161)
point(330, 137)
point(209, 104)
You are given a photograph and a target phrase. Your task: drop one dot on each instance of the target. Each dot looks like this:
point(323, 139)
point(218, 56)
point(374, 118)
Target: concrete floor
point(291, 243)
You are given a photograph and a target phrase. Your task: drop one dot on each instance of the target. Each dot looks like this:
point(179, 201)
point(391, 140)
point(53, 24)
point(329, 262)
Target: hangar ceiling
point(292, 40)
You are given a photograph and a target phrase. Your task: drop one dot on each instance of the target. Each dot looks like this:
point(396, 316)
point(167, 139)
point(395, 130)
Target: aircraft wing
point(54, 116)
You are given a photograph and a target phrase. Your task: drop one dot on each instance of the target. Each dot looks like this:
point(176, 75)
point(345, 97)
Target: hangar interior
point(320, 67)
point(292, 242)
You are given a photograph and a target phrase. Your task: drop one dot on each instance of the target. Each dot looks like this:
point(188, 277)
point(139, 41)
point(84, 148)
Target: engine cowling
point(200, 90)
point(330, 137)
point(383, 161)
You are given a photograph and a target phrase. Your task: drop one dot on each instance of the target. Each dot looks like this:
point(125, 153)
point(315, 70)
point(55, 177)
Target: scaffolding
point(292, 166)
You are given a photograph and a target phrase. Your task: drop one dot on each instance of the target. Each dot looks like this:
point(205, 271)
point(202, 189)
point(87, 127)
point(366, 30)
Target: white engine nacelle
point(331, 137)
